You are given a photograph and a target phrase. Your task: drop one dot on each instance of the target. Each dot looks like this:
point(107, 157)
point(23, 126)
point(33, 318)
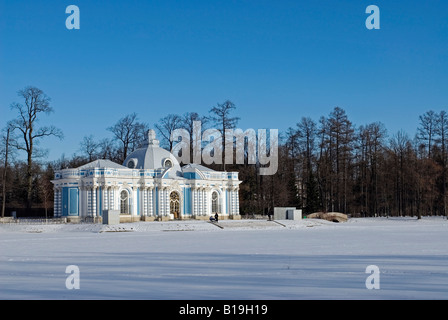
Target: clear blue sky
point(276, 60)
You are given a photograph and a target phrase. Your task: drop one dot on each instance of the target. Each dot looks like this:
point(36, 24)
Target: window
point(124, 202)
point(215, 202)
point(168, 163)
point(132, 163)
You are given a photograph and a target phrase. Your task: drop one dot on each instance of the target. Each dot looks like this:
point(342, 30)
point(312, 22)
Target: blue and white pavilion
point(150, 185)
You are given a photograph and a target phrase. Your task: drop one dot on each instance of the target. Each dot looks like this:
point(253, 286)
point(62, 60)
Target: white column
point(109, 196)
point(89, 202)
point(204, 202)
point(81, 201)
point(230, 201)
point(237, 201)
point(199, 203)
point(143, 203)
point(167, 202)
point(112, 205)
point(161, 204)
point(193, 202)
point(138, 199)
point(60, 202)
point(106, 205)
point(222, 201)
point(233, 201)
point(94, 201)
point(207, 212)
point(57, 204)
point(150, 201)
point(131, 201)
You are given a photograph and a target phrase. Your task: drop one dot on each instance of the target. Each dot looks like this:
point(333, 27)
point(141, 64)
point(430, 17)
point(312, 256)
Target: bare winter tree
point(36, 103)
point(427, 130)
point(130, 132)
point(401, 146)
point(90, 147)
point(306, 134)
point(166, 126)
point(442, 132)
point(220, 116)
point(370, 144)
point(107, 149)
point(45, 187)
point(5, 146)
point(187, 122)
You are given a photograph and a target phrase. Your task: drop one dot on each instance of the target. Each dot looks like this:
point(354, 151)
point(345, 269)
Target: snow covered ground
point(248, 259)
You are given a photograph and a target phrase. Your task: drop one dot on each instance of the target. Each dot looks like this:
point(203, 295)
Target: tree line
point(326, 164)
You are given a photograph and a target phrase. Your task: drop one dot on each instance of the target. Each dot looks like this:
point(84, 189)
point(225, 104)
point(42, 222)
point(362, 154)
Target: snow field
point(248, 259)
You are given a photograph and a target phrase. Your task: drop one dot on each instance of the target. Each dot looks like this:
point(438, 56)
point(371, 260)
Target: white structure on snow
point(150, 185)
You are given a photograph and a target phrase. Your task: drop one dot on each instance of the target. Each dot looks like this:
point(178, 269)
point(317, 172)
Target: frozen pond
point(308, 259)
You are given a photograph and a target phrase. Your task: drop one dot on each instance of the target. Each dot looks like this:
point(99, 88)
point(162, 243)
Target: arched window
point(215, 202)
point(124, 202)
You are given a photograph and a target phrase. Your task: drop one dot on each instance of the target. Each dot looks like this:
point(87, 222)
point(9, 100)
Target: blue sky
point(276, 60)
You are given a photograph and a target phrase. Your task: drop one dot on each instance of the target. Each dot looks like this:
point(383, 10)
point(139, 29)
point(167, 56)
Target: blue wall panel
point(187, 201)
point(70, 202)
point(73, 200)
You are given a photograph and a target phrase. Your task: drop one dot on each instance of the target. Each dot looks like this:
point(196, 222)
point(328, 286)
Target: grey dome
point(151, 156)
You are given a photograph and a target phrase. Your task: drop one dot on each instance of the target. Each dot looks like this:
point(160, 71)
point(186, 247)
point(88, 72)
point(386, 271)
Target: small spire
point(152, 137)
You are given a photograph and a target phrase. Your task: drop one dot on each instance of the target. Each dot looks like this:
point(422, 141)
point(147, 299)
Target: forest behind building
point(324, 164)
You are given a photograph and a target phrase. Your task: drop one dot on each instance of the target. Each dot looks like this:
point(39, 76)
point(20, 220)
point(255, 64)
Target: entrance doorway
point(175, 204)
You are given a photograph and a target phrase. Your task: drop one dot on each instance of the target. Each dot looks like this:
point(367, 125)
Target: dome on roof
point(151, 156)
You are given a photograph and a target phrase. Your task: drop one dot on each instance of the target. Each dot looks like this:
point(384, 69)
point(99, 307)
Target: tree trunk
point(29, 177)
point(4, 174)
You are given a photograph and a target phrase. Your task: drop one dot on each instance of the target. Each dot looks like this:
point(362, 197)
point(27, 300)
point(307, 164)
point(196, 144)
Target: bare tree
point(371, 139)
point(36, 102)
point(166, 126)
point(401, 147)
point(187, 122)
point(5, 168)
point(306, 135)
point(335, 160)
point(90, 147)
point(107, 149)
point(221, 118)
point(130, 132)
point(427, 130)
point(442, 132)
point(45, 187)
